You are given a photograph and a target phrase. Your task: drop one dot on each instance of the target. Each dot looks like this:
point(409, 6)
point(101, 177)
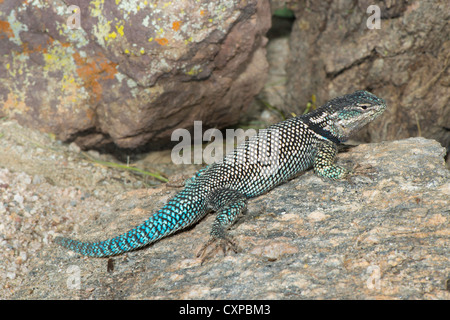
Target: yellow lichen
point(111, 35)
point(195, 70)
point(96, 7)
point(120, 30)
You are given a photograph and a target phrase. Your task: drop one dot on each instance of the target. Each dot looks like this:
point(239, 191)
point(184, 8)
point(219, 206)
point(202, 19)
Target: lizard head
point(349, 113)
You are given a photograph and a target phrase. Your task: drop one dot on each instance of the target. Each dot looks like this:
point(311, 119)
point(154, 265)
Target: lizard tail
point(135, 238)
point(171, 218)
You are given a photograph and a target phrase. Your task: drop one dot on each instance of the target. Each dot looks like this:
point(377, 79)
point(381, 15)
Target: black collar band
point(321, 131)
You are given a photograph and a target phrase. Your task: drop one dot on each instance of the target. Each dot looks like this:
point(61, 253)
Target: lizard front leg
point(324, 162)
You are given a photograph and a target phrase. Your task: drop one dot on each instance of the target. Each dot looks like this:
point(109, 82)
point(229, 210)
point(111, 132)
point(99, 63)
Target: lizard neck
point(319, 123)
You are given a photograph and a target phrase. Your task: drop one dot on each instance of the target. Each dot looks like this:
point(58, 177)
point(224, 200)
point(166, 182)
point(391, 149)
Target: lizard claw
point(219, 243)
point(364, 172)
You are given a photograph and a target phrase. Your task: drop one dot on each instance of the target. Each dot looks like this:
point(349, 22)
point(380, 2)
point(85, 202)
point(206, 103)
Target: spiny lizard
point(267, 159)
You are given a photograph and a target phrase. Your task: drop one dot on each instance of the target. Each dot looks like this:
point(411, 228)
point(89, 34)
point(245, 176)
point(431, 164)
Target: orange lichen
point(90, 114)
point(162, 41)
point(27, 50)
point(15, 104)
point(5, 28)
point(94, 70)
point(39, 48)
point(176, 25)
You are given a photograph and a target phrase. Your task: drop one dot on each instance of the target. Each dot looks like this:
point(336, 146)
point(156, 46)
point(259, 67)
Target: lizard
point(265, 160)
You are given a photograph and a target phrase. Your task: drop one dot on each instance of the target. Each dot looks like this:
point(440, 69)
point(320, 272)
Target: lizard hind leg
point(228, 204)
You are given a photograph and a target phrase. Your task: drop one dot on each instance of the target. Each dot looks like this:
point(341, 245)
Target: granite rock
point(382, 234)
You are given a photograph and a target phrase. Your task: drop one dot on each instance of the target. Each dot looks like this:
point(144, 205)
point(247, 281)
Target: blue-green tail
point(180, 212)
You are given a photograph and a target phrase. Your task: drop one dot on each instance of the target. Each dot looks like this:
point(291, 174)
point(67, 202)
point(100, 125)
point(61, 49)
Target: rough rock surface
point(134, 71)
point(406, 61)
point(382, 235)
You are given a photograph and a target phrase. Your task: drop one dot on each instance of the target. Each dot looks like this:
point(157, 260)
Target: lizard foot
point(362, 172)
point(219, 243)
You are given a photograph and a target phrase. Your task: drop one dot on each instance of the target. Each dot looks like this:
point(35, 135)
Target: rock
point(406, 62)
point(133, 71)
point(380, 235)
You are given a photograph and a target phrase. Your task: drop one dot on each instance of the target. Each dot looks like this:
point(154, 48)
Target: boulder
point(382, 234)
point(337, 48)
point(130, 72)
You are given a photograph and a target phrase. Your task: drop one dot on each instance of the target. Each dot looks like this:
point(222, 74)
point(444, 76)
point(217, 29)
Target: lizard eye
point(364, 106)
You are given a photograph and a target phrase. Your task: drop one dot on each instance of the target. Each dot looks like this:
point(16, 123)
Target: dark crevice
point(371, 57)
point(281, 27)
